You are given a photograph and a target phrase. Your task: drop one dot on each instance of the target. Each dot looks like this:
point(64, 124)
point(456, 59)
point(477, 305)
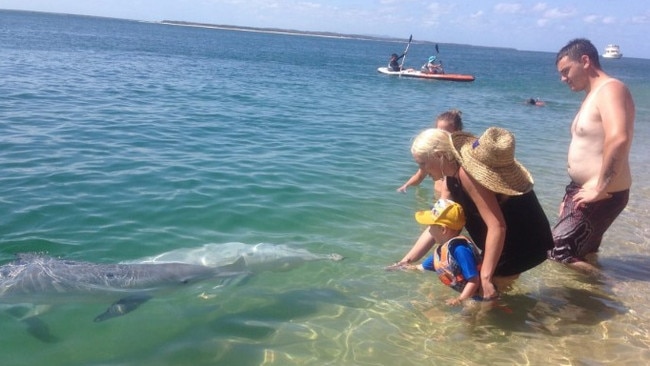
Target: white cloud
point(434, 12)
point(609, 20)
point(508, 8)
point(591, 19)
point(539, 7)
point(556, 13)
point(310, 5)
point(439, 9)
point(434, 7)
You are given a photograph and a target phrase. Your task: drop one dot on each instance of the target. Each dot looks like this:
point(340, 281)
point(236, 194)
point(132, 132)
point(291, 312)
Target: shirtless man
point(598, 164)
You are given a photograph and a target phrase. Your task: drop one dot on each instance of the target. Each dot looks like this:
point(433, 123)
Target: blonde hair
point(432, 141)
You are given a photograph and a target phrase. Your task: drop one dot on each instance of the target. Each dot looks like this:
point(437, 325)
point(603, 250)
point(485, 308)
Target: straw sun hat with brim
point(490, 160)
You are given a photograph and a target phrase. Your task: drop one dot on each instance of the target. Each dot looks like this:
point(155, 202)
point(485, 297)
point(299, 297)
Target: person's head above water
point(450, 121)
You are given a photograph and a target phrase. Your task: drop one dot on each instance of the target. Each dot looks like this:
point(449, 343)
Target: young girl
point(449, 121)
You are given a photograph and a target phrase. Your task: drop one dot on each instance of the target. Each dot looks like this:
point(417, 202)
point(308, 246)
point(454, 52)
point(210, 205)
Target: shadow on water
point(292, 305)
point(241, 329)
point(627, 267)
point(34, 325)
point(555, 312)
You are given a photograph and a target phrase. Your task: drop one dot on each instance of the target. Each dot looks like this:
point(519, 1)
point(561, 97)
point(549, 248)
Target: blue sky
point(525, 25)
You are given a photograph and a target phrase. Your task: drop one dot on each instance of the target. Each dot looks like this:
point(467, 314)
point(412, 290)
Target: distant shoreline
point(263, 30)
point(309, 33)
point(287, 31)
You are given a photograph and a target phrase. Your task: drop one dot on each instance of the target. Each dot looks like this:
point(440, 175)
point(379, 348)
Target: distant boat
point(612, 51)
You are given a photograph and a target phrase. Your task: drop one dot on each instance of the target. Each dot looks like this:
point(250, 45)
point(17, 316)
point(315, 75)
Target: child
point(450, 121)
point(432, 66)
point(458, 260)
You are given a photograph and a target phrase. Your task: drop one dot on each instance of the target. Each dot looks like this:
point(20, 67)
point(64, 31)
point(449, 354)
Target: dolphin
point(255, 258)
point(37, 278)
point(33, 278)
point(43, 280)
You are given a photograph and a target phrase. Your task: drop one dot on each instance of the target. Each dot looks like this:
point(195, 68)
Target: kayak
point(412, 73)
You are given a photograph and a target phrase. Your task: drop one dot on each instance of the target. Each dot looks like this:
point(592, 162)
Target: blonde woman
point(504, 217)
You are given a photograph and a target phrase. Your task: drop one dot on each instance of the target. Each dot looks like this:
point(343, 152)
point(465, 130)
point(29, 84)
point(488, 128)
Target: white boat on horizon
point(612, 51)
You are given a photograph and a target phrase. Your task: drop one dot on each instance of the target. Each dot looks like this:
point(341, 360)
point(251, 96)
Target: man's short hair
point(577, 48)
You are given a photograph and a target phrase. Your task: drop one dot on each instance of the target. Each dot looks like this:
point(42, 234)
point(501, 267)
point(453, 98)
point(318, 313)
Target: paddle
point(405, 51)
point(437, 52)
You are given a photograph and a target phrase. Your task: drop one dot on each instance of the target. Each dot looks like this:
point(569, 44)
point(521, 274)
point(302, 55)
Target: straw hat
point(490, 160)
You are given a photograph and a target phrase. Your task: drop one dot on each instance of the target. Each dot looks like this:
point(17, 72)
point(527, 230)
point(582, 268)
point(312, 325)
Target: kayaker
point(433, 66)
point(393, 65)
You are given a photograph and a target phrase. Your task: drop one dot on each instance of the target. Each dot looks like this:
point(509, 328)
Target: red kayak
point(412, 73)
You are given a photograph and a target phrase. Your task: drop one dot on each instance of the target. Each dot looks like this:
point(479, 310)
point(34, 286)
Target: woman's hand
point(489, 290)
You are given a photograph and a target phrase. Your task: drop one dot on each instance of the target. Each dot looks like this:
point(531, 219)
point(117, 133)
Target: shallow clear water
point(121, 140)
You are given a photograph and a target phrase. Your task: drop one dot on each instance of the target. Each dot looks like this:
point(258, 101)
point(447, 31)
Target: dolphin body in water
point(41, 279)
point(252, 258)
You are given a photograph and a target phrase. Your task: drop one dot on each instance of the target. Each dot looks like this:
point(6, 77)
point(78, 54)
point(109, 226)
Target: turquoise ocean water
point(121, 140)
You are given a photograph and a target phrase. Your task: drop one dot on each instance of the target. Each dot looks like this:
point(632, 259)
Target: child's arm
point(408, 267)
point(471, 287)
point(465, 258)
point(415, 180)
point(421, 247)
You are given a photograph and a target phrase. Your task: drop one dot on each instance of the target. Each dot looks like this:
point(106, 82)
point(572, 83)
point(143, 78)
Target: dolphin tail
point(123, 306)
